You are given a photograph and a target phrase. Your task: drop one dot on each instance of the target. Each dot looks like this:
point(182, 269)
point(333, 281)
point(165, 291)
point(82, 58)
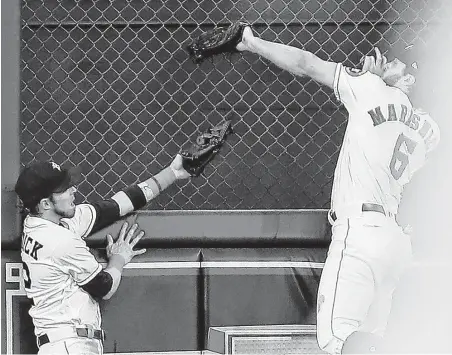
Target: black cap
point(40, 179)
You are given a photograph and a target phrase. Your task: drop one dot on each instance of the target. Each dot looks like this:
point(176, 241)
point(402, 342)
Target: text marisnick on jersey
point(30, 246)
point(411, 119)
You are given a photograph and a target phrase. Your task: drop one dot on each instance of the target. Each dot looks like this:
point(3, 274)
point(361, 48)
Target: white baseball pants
point(366, 258)
point(72, 346)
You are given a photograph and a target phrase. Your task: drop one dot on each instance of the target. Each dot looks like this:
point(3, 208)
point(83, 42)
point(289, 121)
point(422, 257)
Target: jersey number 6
point(399, 159)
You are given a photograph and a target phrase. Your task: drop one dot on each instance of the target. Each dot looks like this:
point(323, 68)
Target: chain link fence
point(108, 85)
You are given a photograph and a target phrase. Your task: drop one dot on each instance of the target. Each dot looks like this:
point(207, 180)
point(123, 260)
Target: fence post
point(10, 144)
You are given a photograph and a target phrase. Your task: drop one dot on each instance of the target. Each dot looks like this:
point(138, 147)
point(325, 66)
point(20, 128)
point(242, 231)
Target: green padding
point(181, 229)
point(227, 228)
point(164, 304)
point(261, 296)
point(157, 303)
point(153, 311)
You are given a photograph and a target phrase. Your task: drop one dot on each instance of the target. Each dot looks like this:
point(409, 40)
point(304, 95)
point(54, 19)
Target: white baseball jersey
point(385, 142)
point(56, 262)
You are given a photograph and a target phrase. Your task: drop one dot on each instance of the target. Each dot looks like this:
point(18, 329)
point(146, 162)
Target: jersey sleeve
point(75, 259)
point(354, 87)
point(83, 221)
point(433, 140)
point(430, 131)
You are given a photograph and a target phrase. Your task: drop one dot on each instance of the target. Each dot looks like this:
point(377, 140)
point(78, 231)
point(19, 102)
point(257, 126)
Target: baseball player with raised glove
point(386, 142)
point(62, 278)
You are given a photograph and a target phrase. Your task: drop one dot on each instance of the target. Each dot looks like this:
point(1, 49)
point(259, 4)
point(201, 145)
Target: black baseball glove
point(216, 41)
point(207, 145)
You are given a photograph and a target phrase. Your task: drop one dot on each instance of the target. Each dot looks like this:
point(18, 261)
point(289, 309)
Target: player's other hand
point(178, 168)
point(247, 38)
point(375, 65)
point(125, 243)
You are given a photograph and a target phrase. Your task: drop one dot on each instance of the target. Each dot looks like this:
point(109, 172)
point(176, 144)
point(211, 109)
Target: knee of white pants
point(331, 336)
point(328, 343)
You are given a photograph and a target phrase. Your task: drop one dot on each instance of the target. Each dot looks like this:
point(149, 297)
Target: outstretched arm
point(90, 218)
point(137, 196)
point(295, 60)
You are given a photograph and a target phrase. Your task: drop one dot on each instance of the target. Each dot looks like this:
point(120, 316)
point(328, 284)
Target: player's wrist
point(177, 168)
point(117, 261)
point(249, 41)
point(174, 171)
point(166, 177)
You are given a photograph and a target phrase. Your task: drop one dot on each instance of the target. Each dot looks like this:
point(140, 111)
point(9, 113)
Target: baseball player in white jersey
point(62, 278)
point(385, 142)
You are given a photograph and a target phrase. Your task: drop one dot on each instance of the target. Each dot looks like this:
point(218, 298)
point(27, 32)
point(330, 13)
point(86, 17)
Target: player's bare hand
point(368, 63)
point(125, 243)
point(375, 65)
point(178, 168)
point(247, 37)
point(380, 62)
point(380, 59)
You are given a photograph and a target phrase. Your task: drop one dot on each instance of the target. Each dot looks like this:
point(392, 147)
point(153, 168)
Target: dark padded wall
point(158, 308)
point(169, 309)
point(259, 296)
point(153, 310)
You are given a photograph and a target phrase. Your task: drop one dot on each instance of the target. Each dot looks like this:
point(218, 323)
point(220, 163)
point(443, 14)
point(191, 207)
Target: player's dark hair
point(23, 212)
point(52, 199)
point(34, 209)
point(28, 207)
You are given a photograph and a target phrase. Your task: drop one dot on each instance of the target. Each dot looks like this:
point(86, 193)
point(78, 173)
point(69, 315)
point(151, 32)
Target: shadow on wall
point(424, 205)
point(420, 321)
point(420, 318)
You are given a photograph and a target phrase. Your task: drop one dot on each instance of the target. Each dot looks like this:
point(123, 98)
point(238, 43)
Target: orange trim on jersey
point(355, 72)
point(337, 280)
point(92, 276)
point(93, 220)
point(337, 76)
point(65, 346)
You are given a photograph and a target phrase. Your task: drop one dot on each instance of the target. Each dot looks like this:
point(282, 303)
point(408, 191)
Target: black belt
point(366, 207)
point(98, 334)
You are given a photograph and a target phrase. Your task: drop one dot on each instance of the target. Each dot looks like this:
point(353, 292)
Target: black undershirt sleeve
point(100, 285)
point(107, 212)
point(136, 196)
